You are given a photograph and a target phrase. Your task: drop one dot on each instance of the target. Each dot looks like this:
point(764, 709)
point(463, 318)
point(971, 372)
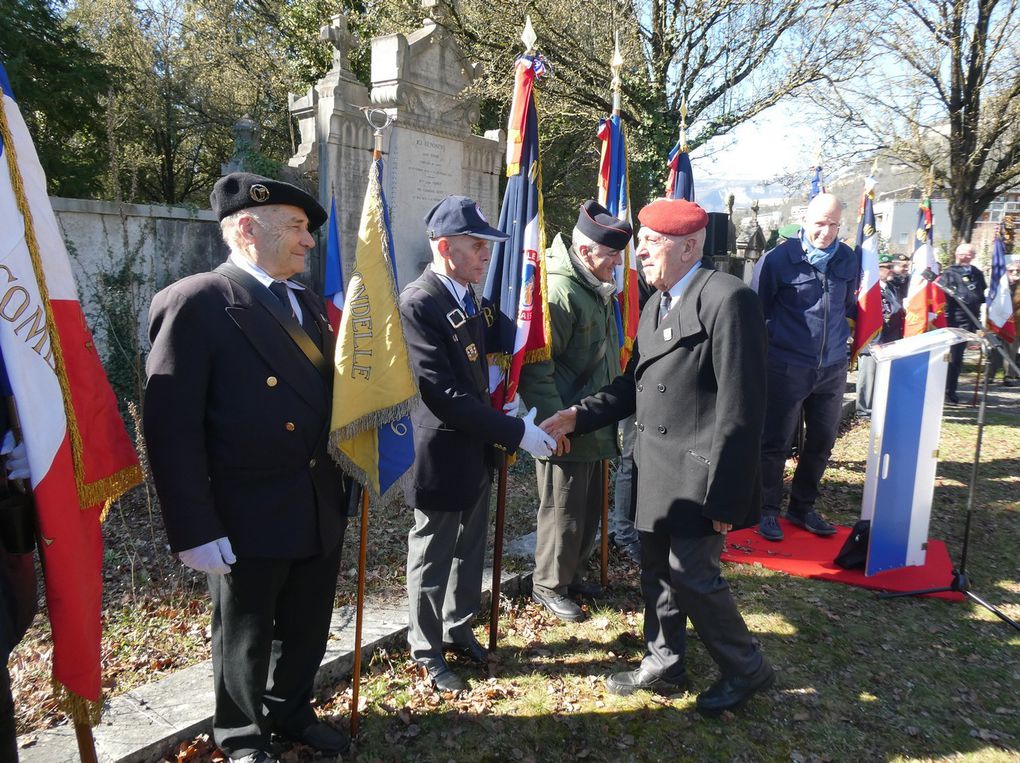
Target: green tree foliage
point(58, 82)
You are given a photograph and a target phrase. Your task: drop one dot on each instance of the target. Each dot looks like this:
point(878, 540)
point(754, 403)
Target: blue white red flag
point(925, 304)
point(333, 285)
point(817, 186)
point(680, 182)
point(515, 299)
point(869, 295)
point(79, 454)
point(614, 195)
point(1000, 302)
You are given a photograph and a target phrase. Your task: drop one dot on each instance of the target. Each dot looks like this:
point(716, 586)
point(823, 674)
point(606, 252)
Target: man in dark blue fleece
point(808, 291)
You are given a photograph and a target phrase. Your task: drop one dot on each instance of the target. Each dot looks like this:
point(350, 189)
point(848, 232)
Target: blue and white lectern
point(906, 419)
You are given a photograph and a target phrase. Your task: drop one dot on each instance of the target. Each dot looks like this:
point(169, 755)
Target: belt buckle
point(456, 317)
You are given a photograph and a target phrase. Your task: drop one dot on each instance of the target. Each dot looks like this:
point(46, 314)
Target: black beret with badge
point(242, 190)
point(595, 221)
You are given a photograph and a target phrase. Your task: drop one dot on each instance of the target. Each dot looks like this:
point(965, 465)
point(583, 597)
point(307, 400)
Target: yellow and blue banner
point(373, 386)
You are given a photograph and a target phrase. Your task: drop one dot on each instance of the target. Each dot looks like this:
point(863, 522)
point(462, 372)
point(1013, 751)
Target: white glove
point(16, 462)
point(535, 441)
point(513, 407)
point(214, 557)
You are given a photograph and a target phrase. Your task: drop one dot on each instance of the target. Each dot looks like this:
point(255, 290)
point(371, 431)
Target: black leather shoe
point(769, 528)
point(585, 588)
point(564, 608)
point(631, 681)
point(812, 522)
point(321, 737)
point(259, 756)
point(442, 678)
point(732, 693)
point(471, 649)
point(952, 399)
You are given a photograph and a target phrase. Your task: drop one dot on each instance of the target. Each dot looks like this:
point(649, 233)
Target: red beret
point(673, 217)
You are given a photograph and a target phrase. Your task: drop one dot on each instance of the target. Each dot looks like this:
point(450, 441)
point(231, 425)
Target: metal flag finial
point(379, 120)
point(874, 168)
point(528, 36)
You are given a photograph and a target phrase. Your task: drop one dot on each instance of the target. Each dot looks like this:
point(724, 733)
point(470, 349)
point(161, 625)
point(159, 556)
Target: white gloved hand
point(214, 557)
point(16, 461)
point(513, 407)
point(535, 441)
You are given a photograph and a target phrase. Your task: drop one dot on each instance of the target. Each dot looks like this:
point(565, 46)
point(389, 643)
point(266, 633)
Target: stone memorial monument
point(429, 151)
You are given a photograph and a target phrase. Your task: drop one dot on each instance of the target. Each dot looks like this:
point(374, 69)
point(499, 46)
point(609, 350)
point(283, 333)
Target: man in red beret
point(694, 388)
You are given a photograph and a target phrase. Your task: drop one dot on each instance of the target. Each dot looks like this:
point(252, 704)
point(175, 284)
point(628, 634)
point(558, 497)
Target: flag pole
point(363, 548)
point(359, 616)
point(529, 38)
point(615, 65)
point(82, 731)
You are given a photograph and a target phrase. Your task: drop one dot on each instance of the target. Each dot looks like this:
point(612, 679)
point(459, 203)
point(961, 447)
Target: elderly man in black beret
point(236, 417)
point(585, 349)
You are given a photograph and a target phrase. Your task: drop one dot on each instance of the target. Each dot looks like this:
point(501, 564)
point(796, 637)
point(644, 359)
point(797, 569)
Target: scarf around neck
point(819, 258)
point(605, 290)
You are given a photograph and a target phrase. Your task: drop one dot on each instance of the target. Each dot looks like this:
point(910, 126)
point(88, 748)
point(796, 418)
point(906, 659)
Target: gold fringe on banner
point(78, 709)
point(109, 488)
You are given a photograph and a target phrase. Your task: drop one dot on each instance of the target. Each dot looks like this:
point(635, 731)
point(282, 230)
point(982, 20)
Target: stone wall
point(122, 254)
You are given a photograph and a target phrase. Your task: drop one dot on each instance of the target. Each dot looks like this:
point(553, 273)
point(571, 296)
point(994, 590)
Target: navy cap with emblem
point(460, 216)
point(595, 221)
point(241, 190)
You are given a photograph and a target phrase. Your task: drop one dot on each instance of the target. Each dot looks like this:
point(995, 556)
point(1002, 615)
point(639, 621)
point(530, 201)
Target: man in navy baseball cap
point(456, 432)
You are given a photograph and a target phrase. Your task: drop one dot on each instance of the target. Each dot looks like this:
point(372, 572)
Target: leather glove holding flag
point(79, 454)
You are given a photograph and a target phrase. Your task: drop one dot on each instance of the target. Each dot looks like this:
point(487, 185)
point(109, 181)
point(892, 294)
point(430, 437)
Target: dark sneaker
point(632, 551)
point(769, 527)
point(812, 522)
point(952, 399)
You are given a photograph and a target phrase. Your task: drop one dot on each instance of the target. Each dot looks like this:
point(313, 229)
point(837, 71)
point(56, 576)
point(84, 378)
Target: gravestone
point(429, 151)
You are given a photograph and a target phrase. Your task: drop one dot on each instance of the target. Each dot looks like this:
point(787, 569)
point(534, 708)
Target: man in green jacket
point(585, 356)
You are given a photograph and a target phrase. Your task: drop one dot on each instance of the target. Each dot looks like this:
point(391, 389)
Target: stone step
point(142, 725)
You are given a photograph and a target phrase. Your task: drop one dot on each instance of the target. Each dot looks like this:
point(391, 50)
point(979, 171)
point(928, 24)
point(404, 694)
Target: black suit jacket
point(455, 426)
point(696, 384)
point(236, 419)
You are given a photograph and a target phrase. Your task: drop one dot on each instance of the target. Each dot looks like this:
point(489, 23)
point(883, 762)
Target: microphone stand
point(960, 583)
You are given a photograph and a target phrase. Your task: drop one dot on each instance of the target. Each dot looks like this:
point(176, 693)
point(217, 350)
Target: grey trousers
point(866, 367)
point(680, 579)
point(445, 556)
point(621, 517)
point(995, 361)
point(570, 501)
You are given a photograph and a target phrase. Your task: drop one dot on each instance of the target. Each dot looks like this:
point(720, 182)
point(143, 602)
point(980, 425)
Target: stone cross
point(338, 35)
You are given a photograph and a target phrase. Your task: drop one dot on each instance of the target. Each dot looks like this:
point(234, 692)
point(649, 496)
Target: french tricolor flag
point(1000, 302)
point(869, 296)
point(333, 287)
point(80, 456)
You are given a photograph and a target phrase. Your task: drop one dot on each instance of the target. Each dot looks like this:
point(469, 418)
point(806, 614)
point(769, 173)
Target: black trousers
point(270, 622)
point(681, 579)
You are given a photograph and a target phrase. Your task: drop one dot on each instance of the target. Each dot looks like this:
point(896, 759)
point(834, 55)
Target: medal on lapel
point(472, 352)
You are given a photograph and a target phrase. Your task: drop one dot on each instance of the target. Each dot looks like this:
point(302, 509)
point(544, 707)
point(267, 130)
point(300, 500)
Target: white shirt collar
point(262, 276)
point(678, 288)
point(458, 290)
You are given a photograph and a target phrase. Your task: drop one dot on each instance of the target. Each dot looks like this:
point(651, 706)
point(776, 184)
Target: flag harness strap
point(459, 322)
point(289, 323)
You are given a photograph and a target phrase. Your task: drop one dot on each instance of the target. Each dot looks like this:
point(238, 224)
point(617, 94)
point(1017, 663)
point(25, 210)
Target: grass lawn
point(858, 678)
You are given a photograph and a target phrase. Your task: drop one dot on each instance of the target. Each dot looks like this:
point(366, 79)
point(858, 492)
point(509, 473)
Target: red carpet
point(808, 556)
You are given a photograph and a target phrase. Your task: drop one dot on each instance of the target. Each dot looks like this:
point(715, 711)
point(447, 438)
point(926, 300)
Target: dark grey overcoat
point(696, 386)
